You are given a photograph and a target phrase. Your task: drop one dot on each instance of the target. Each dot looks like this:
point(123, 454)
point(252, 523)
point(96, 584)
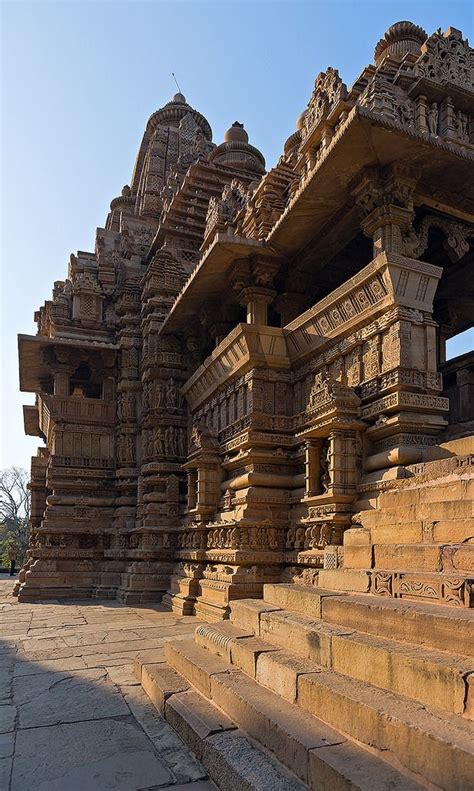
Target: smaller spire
point(236, 133)
point(398, 40)
point(236, 151)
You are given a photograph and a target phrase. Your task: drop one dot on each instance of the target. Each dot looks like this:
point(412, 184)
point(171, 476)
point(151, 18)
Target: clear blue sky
point(79, 81)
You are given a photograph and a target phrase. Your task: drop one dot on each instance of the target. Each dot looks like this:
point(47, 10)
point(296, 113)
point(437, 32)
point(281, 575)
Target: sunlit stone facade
point(248, 362)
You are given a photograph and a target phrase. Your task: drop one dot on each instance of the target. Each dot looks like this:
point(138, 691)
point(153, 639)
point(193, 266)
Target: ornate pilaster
point(385, 197)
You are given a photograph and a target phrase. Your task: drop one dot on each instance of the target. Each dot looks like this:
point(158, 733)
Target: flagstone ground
point(73, 717)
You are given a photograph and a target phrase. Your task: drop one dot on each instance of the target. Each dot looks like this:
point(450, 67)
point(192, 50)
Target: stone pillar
point(312, 468)
point(447, 127)
point(256, 300)
point(420, 113)
point(61, 381)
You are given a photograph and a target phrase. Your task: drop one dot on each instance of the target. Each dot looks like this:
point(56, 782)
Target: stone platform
point(72, 715)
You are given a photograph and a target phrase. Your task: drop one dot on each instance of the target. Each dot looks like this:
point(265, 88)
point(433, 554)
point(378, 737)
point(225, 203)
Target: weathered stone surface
point(235, 761)
point(219, 638)
point(104, 754)
point(342, 767)
point(194, 719)
point(7, 717)
point(430, 677)
point(245, 652)
point(299, 598)
point(159, 682)
point(279, 671)
point(345, 580)
point(421, 624)
point(305, 636)
point(246, 614)
point(171, 750)
point(287, 732)
point(195, 664)
point(51, 698)
point(438, 748)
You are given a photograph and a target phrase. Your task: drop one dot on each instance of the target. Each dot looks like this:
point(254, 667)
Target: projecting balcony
point(74, 409)
point(247, 346)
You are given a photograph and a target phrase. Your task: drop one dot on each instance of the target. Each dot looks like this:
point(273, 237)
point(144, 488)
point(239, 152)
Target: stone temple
point(247, 413)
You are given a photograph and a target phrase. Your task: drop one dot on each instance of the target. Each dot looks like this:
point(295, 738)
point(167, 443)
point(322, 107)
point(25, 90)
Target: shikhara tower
point(228, 385)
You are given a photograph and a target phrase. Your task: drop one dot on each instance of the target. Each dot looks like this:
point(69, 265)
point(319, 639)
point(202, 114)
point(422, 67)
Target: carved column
point(127, 425)
point(163, 440)
point(256, 300)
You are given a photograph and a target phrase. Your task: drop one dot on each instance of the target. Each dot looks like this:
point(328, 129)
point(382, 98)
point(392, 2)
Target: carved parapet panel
point(244, 348)
point(389, 280)
point(455, 591)
point(413, 402)
point(89, 411)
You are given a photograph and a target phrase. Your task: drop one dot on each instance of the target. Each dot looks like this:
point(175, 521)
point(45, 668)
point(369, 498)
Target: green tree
point(15, 504)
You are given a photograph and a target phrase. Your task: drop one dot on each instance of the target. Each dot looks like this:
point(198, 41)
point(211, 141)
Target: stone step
point(452, 558)
point(321, 757)
point(455, 490)
point(443, 531)
point(377, 718)
point(305, 599)
point(431, 510)
point(453, 530)
point(435, 678)
point(232, 759)
point(435, 745)
point(453, 589)
point(418, 623)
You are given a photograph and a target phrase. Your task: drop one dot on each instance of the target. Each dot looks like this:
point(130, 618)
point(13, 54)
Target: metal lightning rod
point(176, 81)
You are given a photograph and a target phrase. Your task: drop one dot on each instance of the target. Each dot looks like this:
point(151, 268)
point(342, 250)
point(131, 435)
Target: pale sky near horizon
point(78, 83)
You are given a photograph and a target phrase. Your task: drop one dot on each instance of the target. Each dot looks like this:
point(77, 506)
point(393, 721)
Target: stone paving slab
point(73, 717)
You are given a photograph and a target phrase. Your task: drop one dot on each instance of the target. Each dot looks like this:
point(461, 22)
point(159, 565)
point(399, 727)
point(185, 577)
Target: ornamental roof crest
point(447, 59)
point(328, 91)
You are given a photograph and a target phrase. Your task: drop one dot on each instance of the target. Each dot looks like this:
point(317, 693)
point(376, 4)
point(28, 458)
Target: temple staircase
point(365, 681)
point(343, 691)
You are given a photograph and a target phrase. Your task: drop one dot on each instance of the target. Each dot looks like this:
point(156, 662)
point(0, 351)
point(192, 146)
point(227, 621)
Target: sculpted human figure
point(290, 537)
point(461, 126)
point(130, 448)
point(433, 115)
point(182, 443)
point(127, 406)
point(465, 127)
point(158, 443)
point(159, 394)
point(324, 467)
point(171, 394)
point(170, 442)
point(299, 538)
